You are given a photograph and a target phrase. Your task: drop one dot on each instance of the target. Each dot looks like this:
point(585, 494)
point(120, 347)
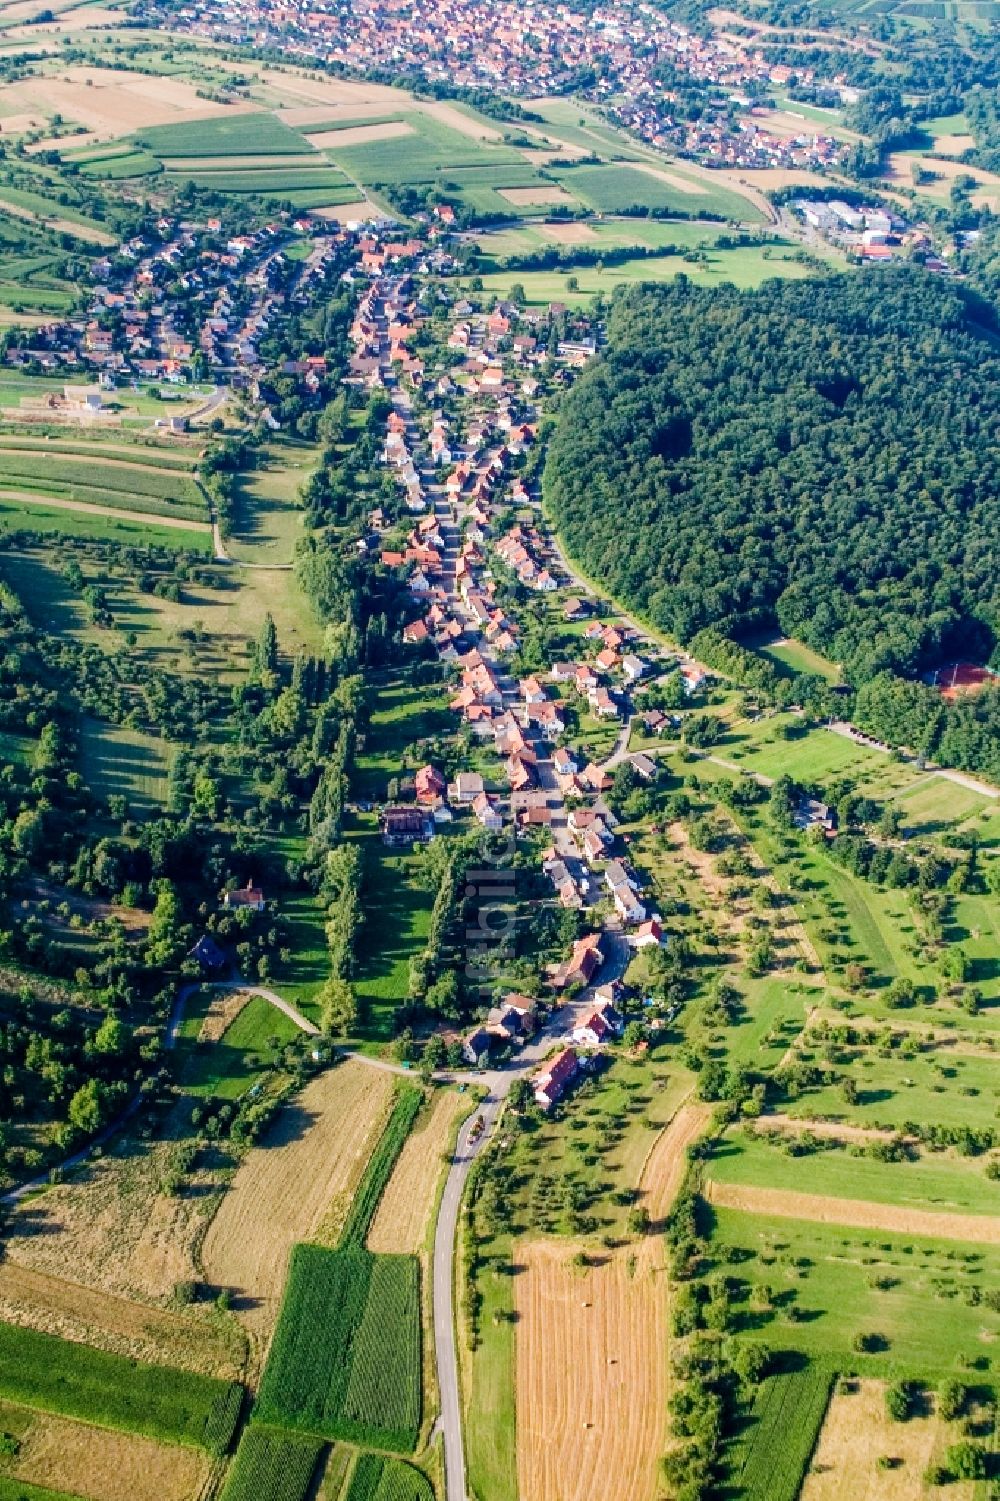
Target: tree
point(111, 1037)
point(338, 1008)
point(521, 1097)
point(967, 1461)
point(898, 1401)
point(86, 1108)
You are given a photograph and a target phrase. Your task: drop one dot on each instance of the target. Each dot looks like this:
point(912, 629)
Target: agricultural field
point(379, 1477)
point(63, 1456)
point(39, 1370)
point(769, 1459)
point(307, 1169)
point(403, 1218)
point(241, 135)
point(345, 1361)
point(272, 1465)
point(121, 1326)
point(123, 484)
point(620, 1147)
point(619, 187)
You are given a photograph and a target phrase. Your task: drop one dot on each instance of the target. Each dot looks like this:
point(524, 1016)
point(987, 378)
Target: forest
point(819, 457)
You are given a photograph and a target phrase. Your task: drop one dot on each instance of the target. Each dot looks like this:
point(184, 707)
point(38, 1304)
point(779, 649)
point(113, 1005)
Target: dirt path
point(859, 1214)
point(87, 509)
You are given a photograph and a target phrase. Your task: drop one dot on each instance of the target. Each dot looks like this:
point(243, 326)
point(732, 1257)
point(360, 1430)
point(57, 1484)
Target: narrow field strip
point(88, 509)
point(858, 1214)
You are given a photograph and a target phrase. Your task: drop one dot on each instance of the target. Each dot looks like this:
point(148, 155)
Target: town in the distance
point(499, 751)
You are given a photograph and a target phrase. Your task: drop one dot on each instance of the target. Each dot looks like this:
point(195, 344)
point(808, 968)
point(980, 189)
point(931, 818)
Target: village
point(624, 56)
point(476, 538)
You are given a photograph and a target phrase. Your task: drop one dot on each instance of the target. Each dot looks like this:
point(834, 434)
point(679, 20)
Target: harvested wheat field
point(111, 102)
point(568, 233)
point(97, 1463)
point(540, 194)
point(402, 1219)
point(360, 135)
point(223, 1009)
point(667, 1162)
point(859, 1214)
point(348, 213)
point(591, 1373)
point(113, 1229)
point(57, 1306)
point(591, 1351)
point(856, 1432)
point(296, 1185)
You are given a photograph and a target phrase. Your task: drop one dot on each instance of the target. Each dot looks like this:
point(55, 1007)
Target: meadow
point(43, 1371)
point(936, 1182)
point(267, 514)
point(225, 1067)
point(813, 1288)
point(272, 1465)
point(936, 1086)
point(115, 761)
point(745, 267)
point(345, 1361)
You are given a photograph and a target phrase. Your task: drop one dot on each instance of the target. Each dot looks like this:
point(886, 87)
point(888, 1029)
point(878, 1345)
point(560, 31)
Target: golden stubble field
point(96, 1463)
point(857, 1432)
point(110, 102)
point(296, 1185)
point(592, 1350)
point(404, 1214)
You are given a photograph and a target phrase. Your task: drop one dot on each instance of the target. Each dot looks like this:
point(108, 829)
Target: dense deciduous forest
point(822, 457)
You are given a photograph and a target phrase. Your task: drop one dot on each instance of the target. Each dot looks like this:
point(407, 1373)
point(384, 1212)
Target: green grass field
point(946, 1184)
point(121, 168)
point(130, 763)
point(918, 1295)
point(267, 515)
point(345, 1361)
point(939, 1087)
point(36, 516)
point(616, 188)
point(797, 657)
point(745, 267)
point(42, 1371)
point(389, 941)
point(333, 186)
point(224, 135)
point(227, 1068)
